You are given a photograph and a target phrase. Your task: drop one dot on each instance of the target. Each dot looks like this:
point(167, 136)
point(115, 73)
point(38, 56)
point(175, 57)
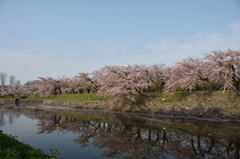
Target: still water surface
point(82, 134)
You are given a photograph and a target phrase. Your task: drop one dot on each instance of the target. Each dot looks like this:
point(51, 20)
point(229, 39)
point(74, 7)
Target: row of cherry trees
point(129, 84)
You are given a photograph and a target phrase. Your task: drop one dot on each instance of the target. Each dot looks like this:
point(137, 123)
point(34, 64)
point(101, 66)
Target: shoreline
point(145, 115)
point(199, 105)
point(148, 116)
point(14, 149)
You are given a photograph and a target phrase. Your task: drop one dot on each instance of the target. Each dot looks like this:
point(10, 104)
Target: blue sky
point(63, 37)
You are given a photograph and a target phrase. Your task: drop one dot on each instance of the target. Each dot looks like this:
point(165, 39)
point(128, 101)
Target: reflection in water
point(125, 136)
point(2, 122)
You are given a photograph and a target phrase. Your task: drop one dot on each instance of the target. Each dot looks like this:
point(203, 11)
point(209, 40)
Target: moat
point(87, 134)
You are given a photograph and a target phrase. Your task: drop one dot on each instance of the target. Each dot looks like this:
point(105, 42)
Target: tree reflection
point(2, 121)
point(123, 137)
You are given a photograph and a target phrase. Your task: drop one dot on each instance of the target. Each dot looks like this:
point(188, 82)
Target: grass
point(63, 97)
point(170, 97)
point(10, 148)
point(70, 97)
point(7, 98)
point(85, 100)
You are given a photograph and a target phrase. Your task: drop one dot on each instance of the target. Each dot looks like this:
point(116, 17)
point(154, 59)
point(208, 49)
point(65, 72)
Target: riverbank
point(200, 104)
point(10, 148)
point(182, 103)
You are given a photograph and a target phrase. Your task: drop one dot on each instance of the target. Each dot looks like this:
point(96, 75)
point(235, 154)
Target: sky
point(59, 38)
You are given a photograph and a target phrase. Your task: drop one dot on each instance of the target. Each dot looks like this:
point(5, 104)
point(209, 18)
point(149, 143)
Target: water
point(81, 134)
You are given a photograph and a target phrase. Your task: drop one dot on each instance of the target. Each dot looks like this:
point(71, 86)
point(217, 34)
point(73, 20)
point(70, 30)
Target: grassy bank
point(214, 104)
point(71, 97)
point(202, 104)
point(86, 100)
point(89, 100)
point(10, 148)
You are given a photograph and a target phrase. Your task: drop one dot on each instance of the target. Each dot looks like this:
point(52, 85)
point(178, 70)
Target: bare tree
point(12, 80)
point(18, 83)
point(3, 78)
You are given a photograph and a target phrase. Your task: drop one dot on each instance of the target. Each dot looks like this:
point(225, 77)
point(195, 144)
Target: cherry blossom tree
point(3, 91)
point(158, 75)
point(124, 83)
point(188, 74)
point(48, 86)
point(226, 66)
point(67, 85)
point(30, 87)
point(83, 83)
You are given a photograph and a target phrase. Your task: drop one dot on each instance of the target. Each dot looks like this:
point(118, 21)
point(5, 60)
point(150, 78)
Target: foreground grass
point(10, 148)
